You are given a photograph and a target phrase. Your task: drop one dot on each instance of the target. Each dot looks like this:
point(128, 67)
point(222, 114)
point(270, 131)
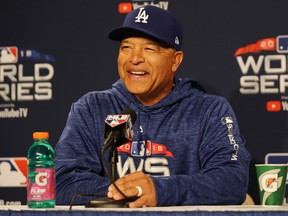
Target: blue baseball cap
point(151, 22)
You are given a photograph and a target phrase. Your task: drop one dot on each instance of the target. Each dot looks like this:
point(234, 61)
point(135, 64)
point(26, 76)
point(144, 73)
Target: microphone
point(119, 129)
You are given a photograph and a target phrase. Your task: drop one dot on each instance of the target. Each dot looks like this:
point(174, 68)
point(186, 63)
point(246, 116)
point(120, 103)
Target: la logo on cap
point(141, 17)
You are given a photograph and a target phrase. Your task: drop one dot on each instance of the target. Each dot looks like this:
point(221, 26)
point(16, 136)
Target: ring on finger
point(140, 191)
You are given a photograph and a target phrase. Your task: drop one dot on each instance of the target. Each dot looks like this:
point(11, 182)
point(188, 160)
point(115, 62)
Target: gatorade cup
point(272, 183)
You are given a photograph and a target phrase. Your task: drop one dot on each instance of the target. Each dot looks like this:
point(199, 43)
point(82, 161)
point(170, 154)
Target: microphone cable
point(105, 165)
point(103, 149)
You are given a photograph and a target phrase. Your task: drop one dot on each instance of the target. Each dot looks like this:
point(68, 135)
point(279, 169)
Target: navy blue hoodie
point(189, 143)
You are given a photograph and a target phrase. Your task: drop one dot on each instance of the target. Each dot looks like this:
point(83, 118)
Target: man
point(193, 151)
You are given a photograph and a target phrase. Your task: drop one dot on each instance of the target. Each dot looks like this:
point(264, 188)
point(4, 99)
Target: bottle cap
point(40, 135)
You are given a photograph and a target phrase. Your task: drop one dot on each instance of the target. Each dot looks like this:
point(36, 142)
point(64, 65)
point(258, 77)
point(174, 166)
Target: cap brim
point(121, 33)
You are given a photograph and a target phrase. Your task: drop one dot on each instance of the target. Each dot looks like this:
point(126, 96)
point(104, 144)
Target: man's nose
point(137, 56)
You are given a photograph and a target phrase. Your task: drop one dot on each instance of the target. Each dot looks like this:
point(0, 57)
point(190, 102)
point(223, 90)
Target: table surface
point(160, 209)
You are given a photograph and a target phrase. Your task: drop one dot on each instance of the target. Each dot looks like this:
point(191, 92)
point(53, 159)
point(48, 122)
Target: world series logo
point(25, 76)
point(264, 70)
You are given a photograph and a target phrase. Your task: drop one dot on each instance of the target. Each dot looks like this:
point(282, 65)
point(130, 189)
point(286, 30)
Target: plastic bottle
point(41, 173)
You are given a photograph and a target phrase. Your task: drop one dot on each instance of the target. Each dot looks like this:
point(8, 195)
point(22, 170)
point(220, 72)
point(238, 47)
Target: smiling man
point(147, 68)
point(187, 148)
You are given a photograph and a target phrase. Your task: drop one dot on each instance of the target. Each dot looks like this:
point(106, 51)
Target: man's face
point(147, 69)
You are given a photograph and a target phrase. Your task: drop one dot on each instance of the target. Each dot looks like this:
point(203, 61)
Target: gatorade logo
point(269, 182)
point(41, 179)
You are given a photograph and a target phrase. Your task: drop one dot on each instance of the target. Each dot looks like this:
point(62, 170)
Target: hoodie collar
point(184, 87)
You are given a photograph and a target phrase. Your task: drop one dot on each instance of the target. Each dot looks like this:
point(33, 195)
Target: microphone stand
point(113, 160)
point(106, 202)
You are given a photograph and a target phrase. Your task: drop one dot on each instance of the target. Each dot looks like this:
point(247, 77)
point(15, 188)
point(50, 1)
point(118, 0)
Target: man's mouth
point(137, 73)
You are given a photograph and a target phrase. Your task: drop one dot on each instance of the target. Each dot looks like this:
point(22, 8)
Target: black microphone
point(119, 129)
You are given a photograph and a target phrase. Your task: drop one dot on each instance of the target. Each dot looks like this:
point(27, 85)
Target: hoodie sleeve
point(77, 158)
point(222, 178)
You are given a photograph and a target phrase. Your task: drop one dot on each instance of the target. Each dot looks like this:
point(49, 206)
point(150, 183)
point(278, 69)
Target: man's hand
point(128, 185)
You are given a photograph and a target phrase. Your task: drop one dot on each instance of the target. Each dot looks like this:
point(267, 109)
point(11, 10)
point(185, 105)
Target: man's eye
point(125, 47)
point(151, 49)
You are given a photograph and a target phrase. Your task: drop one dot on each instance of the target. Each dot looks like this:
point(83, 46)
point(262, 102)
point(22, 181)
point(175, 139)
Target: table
point(255, 210)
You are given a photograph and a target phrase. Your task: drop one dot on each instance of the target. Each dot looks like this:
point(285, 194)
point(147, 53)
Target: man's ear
point(178, 58)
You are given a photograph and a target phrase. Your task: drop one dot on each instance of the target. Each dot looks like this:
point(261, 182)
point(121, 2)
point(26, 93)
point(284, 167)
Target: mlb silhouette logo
point(282, 44)
point(8, 55)
point(227, 120)
point(13, 172)
point(139, 149)
point(115, 120)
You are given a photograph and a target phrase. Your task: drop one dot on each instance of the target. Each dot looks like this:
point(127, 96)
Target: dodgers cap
point(152, 22)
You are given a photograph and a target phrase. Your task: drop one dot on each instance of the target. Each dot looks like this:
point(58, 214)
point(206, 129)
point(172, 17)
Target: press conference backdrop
point(52, 52)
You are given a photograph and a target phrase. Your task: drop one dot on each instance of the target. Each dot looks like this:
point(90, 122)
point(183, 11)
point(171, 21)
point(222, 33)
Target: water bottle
point(41, 173)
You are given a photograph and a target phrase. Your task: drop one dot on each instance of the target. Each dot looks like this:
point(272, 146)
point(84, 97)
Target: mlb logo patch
point(227, 120)
point(13, 172)
point(115, 120)
point(139, 149)
point(282, 44)
point(8, 55)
